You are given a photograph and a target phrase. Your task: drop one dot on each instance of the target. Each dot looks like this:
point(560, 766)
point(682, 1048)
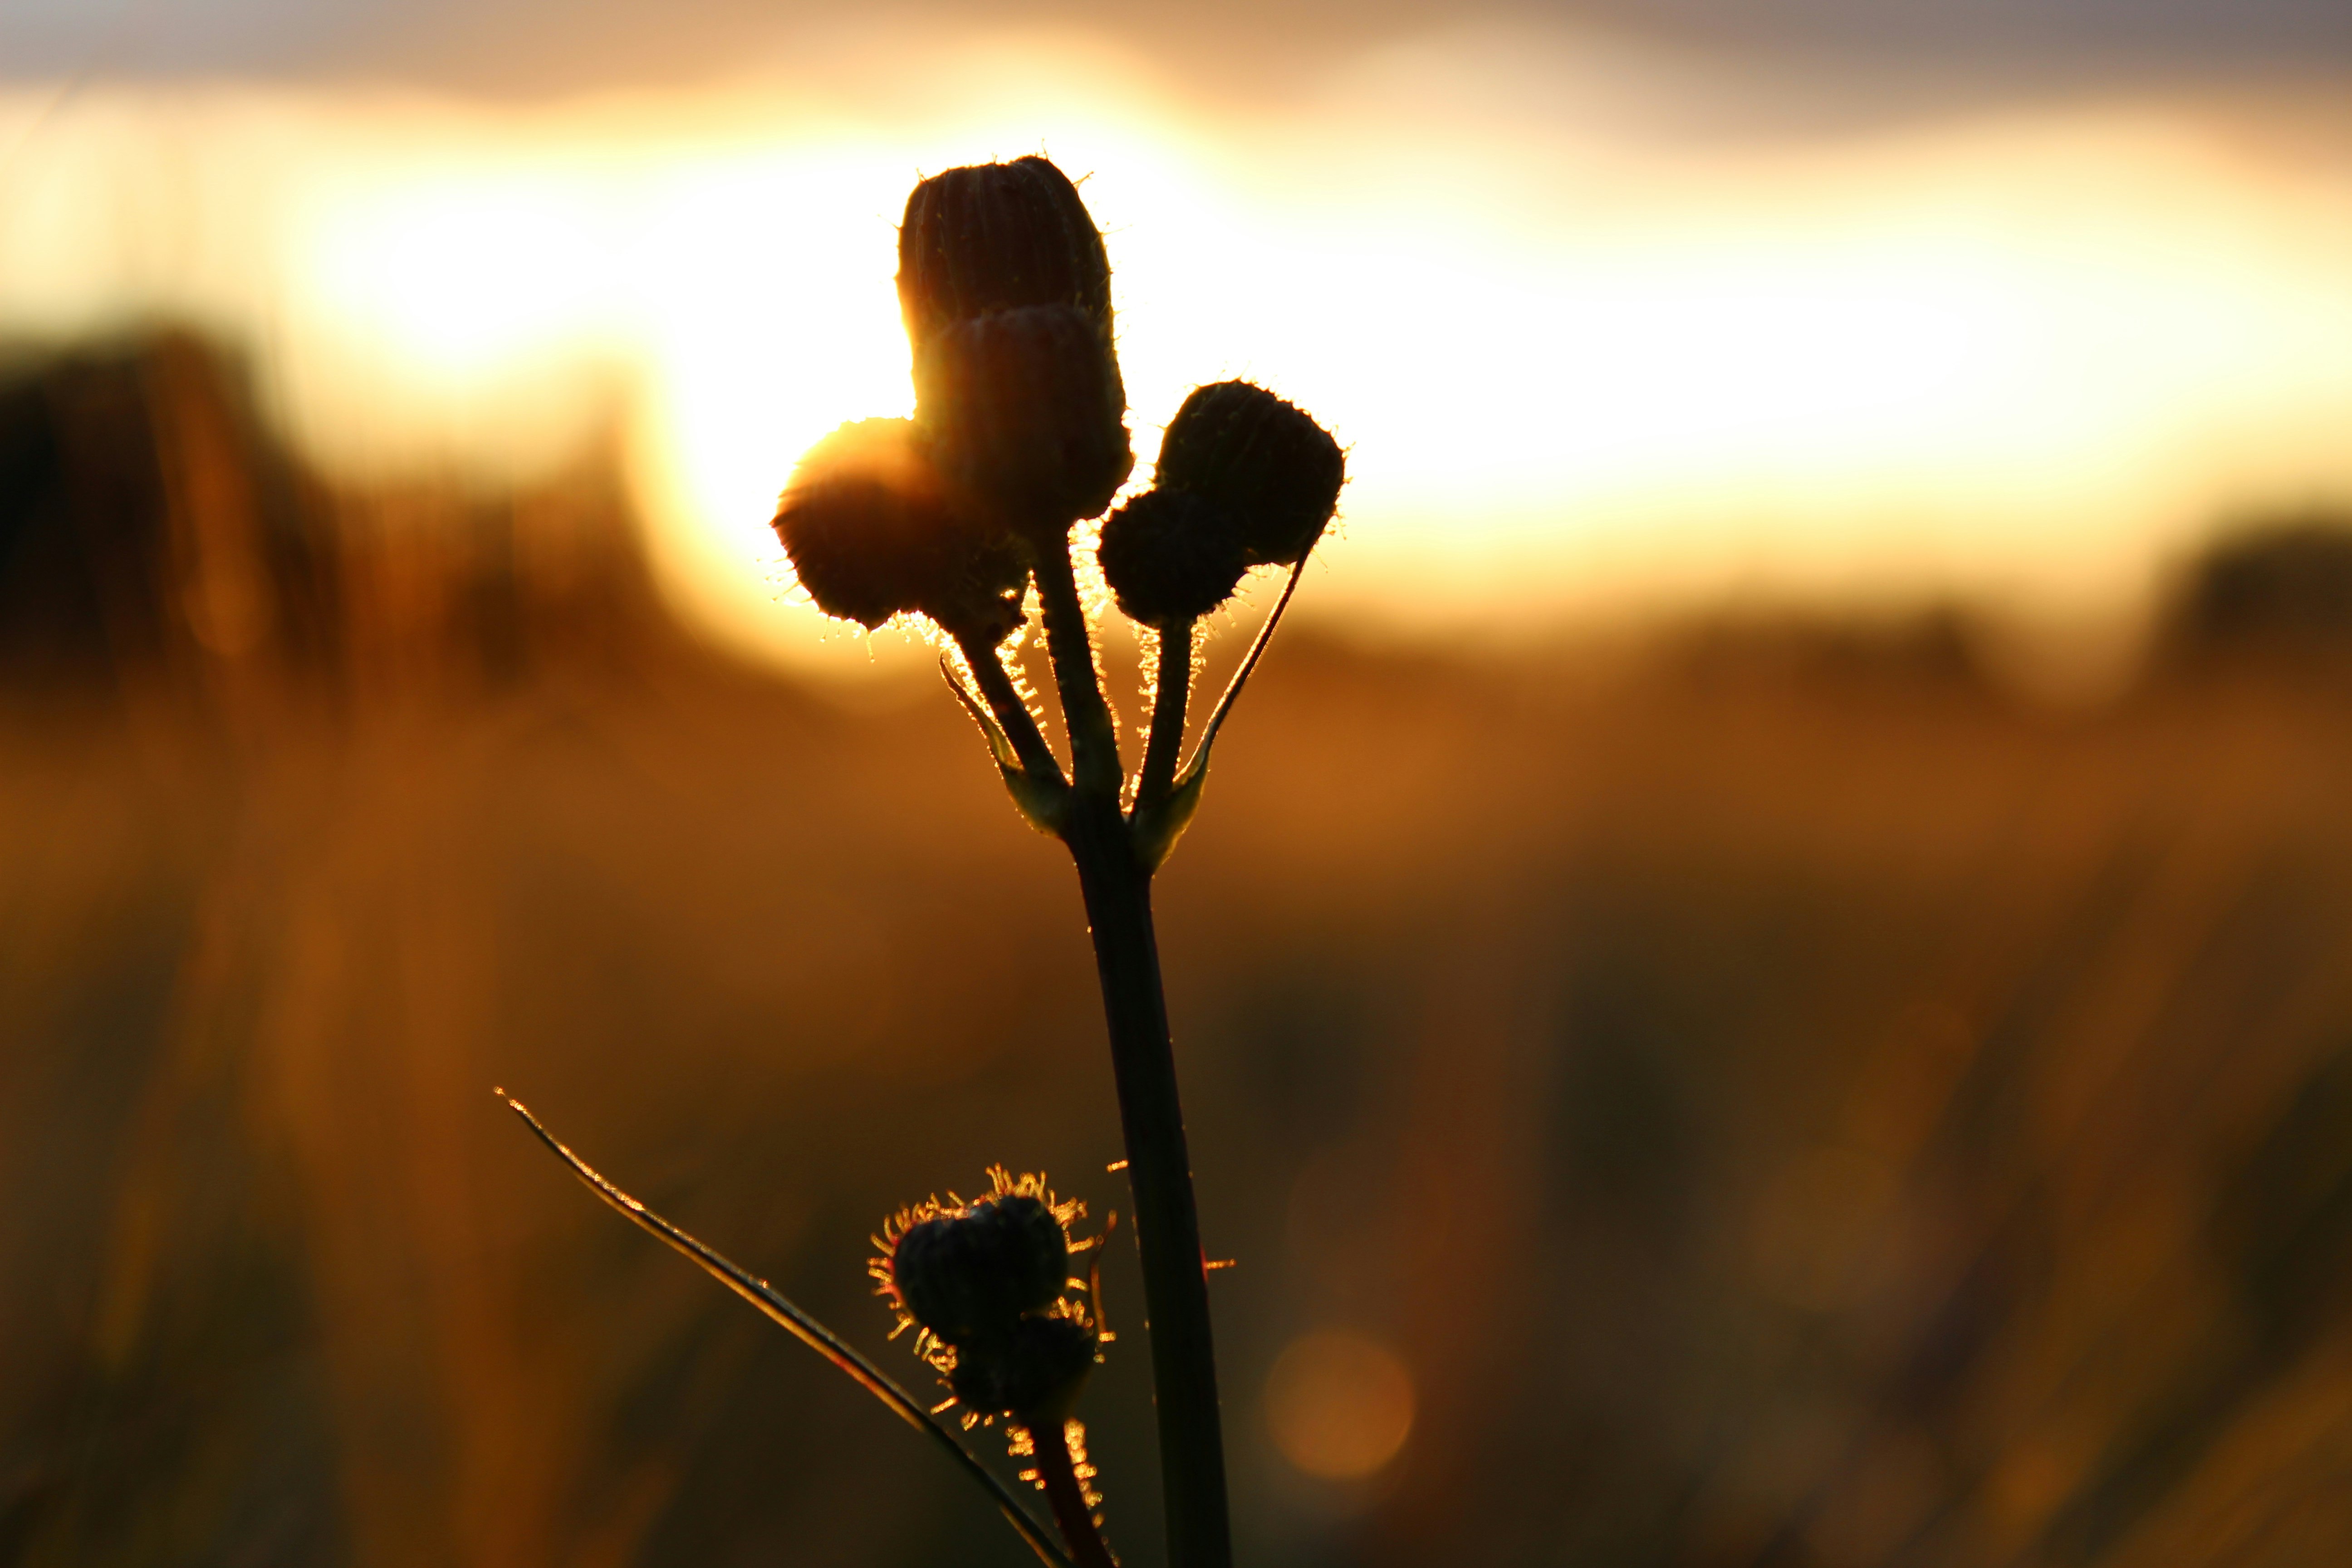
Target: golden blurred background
point(1613, 326)
point(1764, 977)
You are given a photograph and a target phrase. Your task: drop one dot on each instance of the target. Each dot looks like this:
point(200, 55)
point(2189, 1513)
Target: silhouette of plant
point(964, 517)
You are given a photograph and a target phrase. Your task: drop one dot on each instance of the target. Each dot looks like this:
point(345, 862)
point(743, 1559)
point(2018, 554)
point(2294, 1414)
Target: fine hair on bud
point(995, 237)
point(1027, 415)
point(1172, 555)
point(871, 531)
point(1265, 460)
point(975, 1273)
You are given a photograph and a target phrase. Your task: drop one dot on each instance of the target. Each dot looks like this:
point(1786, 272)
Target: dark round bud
point(965, 1276)
point(995, 237)
point(1032, 1372)
point(1265, 460)
point(1027, 415)
point(1172, 555)
point(870, 531)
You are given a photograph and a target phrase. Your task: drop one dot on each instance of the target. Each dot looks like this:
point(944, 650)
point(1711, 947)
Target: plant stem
point(997, 691)
point(1117, 887)
point(1173, 684)
point(1094, 742)
point(1067, 1497)
point(1160, 1174)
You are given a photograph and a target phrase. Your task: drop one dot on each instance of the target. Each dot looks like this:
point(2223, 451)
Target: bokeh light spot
point(1339, 1404)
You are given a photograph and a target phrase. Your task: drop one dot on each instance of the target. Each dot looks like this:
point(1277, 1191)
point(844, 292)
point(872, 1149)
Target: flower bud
point(995, 237)
point(1172, 555)
point(1027, 415)
point(1032, 1372)
point(973, 1273)
point(1265, 460)
point(870, 532)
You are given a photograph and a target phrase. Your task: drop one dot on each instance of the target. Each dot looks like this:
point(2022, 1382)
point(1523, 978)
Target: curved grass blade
point(807, 1330)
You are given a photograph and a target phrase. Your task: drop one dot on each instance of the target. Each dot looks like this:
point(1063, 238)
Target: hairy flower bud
point(871, 531)
point(1027, 415)
point(1265, 460)
point(995, 237)
point(1172, 555)
point(1032, 1372)
point(973, 1273)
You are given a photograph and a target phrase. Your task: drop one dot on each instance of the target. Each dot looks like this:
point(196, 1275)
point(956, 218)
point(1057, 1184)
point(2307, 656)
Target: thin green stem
point(1069, 1497)
point(1172, 685)
point(1094, 742)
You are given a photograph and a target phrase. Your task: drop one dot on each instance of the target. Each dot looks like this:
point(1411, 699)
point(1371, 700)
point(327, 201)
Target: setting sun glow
point(1580, 356)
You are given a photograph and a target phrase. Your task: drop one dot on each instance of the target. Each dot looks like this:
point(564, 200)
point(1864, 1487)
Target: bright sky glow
point(1581, 359)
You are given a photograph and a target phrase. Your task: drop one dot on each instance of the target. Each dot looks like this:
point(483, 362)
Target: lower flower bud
point(871, 532)
point(1172, 555)
point(1032, 1372)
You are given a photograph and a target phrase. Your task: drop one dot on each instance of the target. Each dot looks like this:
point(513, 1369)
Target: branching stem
point(1173, 685)
point(997, 691)
point(1117, 887)
point(1094, 742)
point(1117, 892)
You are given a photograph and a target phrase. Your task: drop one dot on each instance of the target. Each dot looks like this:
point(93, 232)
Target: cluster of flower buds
point(987, 1284)
point(1020, 431)
point(1020, 424)
point(1245, 479)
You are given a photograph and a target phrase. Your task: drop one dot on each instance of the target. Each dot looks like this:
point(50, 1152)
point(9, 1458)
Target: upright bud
point(870, 531)
point(973, 1274)
point(1172, 555)
point(1027, 415)
point(1264, 459)
point(996, 237)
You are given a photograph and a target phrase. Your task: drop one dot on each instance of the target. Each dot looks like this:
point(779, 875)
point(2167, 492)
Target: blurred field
point(1782, 1098)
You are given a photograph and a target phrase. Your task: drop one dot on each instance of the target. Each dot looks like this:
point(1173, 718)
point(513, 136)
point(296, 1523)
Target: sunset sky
point(1618, 307)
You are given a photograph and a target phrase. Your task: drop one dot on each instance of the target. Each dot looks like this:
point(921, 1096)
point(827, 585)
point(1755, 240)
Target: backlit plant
point(965, 517)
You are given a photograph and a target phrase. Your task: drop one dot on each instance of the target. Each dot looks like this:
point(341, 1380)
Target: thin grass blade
point(807, 1330)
